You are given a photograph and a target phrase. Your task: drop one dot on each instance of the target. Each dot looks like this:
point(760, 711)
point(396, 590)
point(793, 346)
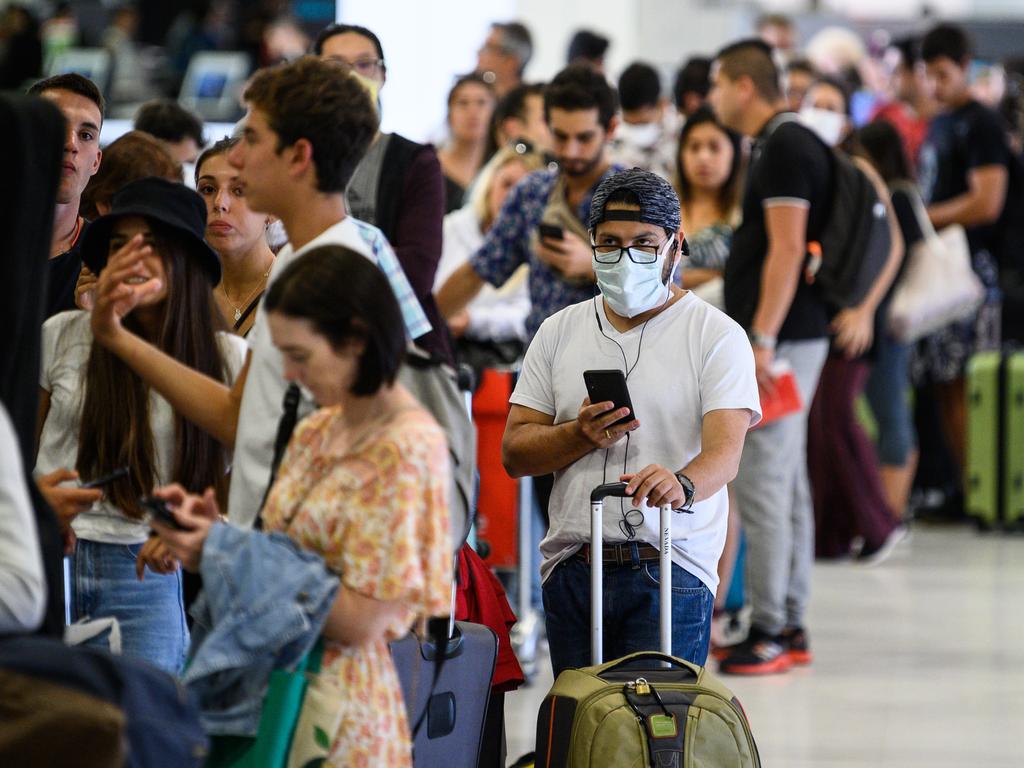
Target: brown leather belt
point(621, 554)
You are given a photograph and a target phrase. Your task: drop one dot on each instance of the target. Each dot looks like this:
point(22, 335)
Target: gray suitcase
point(454, 708)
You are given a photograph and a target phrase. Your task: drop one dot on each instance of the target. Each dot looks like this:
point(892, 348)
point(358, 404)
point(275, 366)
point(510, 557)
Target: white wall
point(428, 43)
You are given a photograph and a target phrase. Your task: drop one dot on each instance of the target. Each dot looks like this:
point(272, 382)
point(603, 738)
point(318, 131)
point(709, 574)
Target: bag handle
point(924, 223)
point(651, 656)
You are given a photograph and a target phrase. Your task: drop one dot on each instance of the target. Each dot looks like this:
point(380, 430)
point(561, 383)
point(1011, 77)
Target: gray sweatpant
point(774, 501)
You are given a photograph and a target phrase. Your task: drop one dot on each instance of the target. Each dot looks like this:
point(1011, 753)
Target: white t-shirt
point(67, 342)
point(265, 386)
point(693, 360)
point(22, 584)
point(495, 314)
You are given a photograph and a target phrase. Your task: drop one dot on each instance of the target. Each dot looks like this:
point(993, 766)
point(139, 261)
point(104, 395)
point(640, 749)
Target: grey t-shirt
point(361, 195)
point(693, 360)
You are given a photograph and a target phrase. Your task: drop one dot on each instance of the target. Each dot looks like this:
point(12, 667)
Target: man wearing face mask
point(690, 373)
point(642, 140)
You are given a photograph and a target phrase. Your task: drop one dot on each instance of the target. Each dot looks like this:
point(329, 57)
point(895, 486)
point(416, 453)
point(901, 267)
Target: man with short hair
point(503, 57)
point(691, 86)
point(580, 109)
point(912, 107)
point(520, 116)
point(786, 204)
point(691, 381)
point(641, 140)
point(81, 103)
point(968, 176)
point(178, 130)
point(308, 124)
point(778, 31)
point(800, 76)
point(589, 49)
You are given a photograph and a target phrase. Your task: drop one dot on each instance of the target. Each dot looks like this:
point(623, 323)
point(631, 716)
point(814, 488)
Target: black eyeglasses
point(638, 254)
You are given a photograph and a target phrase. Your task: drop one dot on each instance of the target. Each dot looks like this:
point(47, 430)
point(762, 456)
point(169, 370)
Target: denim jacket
point(263, 605)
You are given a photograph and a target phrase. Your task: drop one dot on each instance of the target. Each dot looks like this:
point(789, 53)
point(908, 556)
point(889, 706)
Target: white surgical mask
point(643, 135)
point(828, 125)
point(632, 289)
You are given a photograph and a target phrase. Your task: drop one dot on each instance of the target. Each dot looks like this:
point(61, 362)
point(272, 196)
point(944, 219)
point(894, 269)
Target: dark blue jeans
point(630, 613)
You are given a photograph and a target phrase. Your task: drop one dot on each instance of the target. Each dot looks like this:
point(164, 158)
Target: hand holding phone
point(156, 508)
point(609, 386)
point(550, 231)
point(105, 480)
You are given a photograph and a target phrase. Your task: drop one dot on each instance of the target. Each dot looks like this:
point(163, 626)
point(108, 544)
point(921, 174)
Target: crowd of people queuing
point(561, 227)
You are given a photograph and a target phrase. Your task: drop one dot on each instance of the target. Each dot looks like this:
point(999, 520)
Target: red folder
point(784, 400)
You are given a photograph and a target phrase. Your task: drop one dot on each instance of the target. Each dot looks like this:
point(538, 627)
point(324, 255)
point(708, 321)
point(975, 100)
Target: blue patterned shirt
point(507, 246)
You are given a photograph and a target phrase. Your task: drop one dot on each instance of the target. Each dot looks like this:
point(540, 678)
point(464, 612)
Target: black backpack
point(854, 245)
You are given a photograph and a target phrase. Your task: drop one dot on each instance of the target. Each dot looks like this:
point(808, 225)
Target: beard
point(580, 167)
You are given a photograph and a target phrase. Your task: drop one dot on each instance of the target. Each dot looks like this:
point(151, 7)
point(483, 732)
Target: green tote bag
point(281, 708)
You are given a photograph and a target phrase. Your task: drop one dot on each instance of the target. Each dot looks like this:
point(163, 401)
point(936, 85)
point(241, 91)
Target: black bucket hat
point(172, 204)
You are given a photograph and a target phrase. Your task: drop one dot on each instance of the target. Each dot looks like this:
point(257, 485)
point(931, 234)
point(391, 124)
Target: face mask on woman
point(828, 125)
point(630, 288)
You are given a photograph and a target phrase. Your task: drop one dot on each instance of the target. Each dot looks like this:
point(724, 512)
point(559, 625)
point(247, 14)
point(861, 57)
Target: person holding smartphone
point(688, 372)
point(96, 415)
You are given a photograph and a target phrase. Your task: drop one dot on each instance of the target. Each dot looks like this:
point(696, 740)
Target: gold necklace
point(245, 302)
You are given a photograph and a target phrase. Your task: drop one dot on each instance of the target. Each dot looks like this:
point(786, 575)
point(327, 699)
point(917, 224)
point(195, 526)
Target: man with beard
point(580, 107)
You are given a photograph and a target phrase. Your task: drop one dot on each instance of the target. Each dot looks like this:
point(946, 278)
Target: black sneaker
point(759, 654)
point(797, 647)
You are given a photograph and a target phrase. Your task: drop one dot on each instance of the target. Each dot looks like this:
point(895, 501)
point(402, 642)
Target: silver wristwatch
point(688, 488)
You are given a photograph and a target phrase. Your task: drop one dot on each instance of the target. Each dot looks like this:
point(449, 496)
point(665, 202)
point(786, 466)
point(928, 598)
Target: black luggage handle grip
point(650, 656)
point(608, 489)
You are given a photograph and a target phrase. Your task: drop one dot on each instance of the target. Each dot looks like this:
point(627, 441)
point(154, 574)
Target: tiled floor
point(919, 662)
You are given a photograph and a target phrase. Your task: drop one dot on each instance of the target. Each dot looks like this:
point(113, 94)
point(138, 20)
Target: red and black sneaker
point(759, 654)
point(797, 647)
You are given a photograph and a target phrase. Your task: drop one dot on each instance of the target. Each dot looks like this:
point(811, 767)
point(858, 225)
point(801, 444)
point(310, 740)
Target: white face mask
point(643, 135)
point(828, 125)
point(632, 289)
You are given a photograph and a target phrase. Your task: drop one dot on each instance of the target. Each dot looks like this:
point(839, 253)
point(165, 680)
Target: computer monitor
point(213, 83)
point(93, 63)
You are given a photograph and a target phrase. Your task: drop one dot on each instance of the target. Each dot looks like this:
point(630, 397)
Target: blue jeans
point(887, 395)
point(151, 612)
point(630, 613)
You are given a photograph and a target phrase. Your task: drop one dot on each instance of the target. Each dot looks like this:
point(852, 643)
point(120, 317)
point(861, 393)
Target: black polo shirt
point(789, 164)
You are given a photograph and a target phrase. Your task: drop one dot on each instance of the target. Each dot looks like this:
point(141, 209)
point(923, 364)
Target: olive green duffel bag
point(646, 709)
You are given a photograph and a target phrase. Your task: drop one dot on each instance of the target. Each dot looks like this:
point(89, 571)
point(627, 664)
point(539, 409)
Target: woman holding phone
point(96, 415)
point(363, 484)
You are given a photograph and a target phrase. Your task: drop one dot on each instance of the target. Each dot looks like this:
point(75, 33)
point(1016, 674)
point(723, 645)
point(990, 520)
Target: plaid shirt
point(416, 323)
point(507, 246)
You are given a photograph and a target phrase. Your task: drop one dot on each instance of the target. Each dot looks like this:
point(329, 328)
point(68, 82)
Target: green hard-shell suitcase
point(981, 475)
point(1013, 440)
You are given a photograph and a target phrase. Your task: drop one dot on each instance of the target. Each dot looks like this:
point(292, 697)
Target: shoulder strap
point(285, 427)
point(248, 311)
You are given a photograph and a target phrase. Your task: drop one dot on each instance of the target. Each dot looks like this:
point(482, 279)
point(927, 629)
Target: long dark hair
point(115, 427)
point(880, 144)
point(729, 194)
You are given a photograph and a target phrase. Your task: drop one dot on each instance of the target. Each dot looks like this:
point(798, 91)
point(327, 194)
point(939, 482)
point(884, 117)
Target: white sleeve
point(727, 379)
point(22, 586)
point(535, 388)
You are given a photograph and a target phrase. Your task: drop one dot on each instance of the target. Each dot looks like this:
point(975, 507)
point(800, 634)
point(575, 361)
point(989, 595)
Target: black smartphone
point(157, 508)
point(550, 231)
point(113, 477)
point(609, 385)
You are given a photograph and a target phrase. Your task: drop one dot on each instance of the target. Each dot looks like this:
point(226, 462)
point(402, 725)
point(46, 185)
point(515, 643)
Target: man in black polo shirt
point(969, 177)
point(785, 205)
point(81, 103)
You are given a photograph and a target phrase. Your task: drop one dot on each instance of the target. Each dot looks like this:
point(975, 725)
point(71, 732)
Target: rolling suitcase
point(981, 481)
point(994, 475)
point(446, 693)
point(1013, 441)
point(645, 709)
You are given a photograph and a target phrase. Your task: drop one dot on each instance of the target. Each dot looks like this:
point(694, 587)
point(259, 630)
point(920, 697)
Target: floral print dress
point(378, 515)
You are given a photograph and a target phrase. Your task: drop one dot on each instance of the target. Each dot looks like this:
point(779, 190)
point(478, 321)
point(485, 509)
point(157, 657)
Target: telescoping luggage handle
point(597, 497)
